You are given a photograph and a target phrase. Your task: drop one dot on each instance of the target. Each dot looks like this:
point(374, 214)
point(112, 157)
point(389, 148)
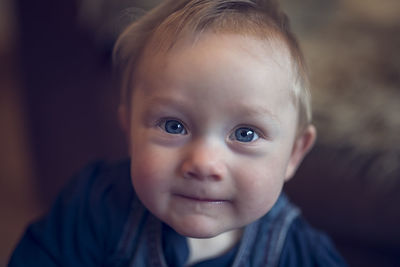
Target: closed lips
point(202, 199)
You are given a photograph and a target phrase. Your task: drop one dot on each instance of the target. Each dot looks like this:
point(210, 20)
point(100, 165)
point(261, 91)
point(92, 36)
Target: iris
point(174, 127)
point(245, 134)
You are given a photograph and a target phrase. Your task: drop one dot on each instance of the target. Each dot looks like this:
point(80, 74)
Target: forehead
point(219, 72)
point(238, 56)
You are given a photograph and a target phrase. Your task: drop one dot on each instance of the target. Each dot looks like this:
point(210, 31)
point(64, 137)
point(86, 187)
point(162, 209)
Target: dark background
point(58, 112)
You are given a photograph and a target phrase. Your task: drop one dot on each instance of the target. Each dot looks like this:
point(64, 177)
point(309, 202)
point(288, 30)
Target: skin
point(202, 180)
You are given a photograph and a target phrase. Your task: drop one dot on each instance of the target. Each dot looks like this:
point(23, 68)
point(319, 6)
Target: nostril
point(190, 174)
point(202, 175)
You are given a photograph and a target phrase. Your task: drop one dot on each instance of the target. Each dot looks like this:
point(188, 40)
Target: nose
point(204, 161)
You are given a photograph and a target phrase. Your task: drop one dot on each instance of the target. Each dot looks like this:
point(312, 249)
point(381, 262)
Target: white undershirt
point(206, 248)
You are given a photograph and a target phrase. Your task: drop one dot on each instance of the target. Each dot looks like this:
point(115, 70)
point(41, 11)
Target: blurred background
point(58, 112)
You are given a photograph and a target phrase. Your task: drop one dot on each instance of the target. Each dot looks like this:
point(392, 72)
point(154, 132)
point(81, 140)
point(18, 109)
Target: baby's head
point(216, 109)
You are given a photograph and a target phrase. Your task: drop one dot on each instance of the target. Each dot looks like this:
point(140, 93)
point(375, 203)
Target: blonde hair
point(173, 19)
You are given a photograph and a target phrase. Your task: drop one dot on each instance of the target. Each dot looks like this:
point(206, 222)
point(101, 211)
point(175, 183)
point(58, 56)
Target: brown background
point(57, 112)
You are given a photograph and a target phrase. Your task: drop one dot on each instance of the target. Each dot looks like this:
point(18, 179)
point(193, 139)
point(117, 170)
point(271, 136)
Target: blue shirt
point(99, 221)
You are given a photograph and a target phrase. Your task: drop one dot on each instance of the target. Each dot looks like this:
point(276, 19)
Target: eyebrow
point(256, 111)
point(243, 110)
point(176, 102)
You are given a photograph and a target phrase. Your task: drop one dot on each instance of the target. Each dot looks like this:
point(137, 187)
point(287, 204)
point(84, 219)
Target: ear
point(123, 118)
point(301, 146)
point(124, 122)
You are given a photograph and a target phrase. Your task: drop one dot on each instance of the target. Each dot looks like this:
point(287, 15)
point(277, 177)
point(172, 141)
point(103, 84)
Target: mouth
point(202, 199)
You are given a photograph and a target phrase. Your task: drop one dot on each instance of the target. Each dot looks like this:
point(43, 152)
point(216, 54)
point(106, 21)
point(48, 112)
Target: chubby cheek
point(259, 187)
point(150, 173)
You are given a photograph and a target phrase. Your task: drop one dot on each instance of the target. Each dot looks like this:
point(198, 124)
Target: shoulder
point(101, 188)
point(104, 186)
point(100, 197)
point(86, 221)
point(306, 246)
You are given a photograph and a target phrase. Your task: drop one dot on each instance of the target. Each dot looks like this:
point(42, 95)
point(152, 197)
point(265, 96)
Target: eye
point(245, 135)
point(173, 127)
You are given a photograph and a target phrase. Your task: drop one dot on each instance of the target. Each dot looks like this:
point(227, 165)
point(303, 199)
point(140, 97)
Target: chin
point(198, 229)
point(196, 233)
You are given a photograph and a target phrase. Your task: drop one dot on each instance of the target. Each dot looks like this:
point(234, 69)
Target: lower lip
point(200, 200)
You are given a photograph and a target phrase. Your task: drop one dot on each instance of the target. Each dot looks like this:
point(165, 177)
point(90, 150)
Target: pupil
point(244, 135)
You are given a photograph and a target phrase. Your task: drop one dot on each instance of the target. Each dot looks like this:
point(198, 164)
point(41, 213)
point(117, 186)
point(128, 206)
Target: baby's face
point(212, 127)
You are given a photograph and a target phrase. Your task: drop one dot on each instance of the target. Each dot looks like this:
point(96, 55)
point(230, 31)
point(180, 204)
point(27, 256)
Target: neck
point(207, 248)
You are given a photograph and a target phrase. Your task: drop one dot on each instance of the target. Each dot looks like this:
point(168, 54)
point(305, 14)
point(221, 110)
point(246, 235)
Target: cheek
point(150, 179)
point(259, 186)
point(147, 167)
point(152, 169)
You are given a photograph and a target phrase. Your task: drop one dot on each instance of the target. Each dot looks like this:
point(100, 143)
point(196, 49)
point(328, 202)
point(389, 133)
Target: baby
point(217, 115)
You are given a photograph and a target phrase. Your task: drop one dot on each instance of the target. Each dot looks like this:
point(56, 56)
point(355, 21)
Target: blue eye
point(173, 127)
point(245, 134)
